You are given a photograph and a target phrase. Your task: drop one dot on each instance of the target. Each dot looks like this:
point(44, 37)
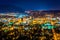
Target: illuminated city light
point(24, 24)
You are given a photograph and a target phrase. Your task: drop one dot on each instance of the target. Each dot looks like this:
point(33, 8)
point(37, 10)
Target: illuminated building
point(21, 15)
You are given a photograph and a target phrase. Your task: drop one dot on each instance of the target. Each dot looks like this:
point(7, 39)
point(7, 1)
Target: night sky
point(33, 4)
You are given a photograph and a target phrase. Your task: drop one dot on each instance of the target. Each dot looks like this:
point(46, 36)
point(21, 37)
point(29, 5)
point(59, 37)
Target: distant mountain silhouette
point(10, 8)
point(50, 11)
point(43, 12)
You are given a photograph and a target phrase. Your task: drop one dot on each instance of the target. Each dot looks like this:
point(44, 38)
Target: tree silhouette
point(1, 23)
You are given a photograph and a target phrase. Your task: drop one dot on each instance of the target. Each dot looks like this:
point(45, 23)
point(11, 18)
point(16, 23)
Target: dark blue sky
point(33, 4)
